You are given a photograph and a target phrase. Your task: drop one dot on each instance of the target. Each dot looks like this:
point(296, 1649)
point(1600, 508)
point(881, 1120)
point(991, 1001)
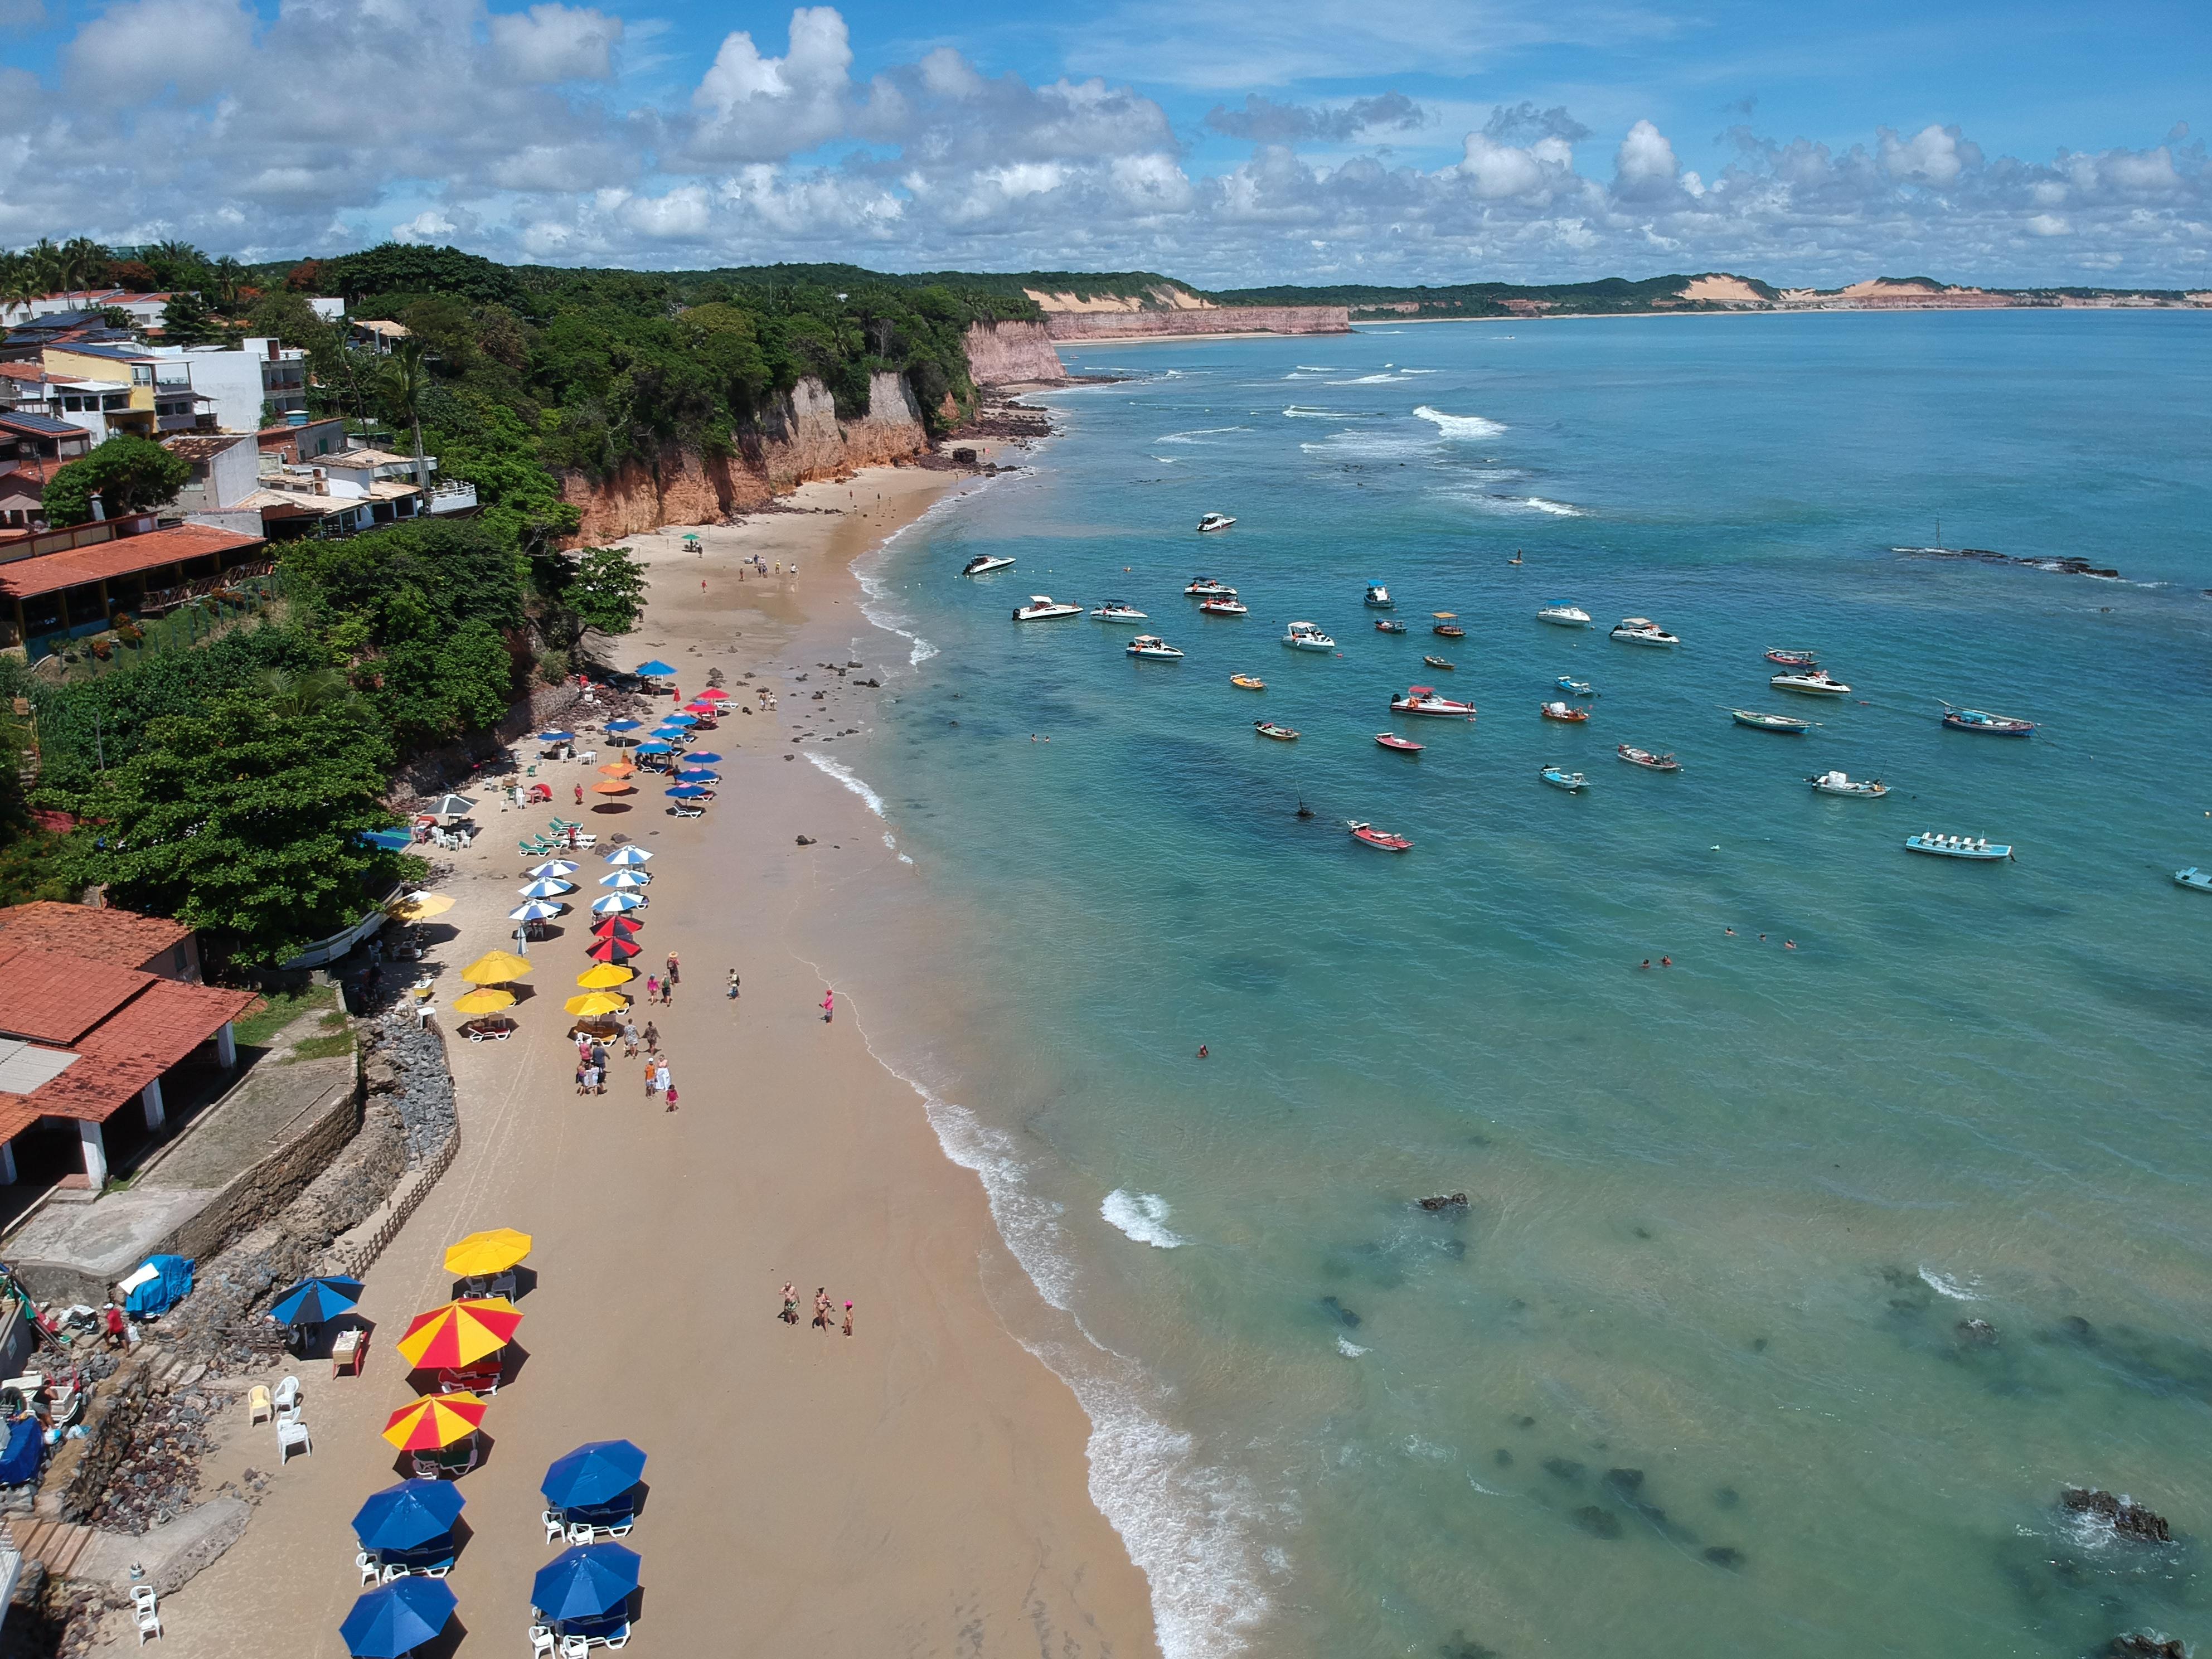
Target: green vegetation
point(277, 1009)
point(129, 475)
point(1614, 294)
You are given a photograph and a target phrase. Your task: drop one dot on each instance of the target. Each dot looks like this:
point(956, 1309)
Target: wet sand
point(917, 1489)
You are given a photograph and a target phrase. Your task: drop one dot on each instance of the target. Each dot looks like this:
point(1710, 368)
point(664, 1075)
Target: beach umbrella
point(450, 806)
point(714, 694)
point(701, 757)
point(688, 791)
point(596, 1004)
point(408, 1515)
point(605, 976)
point(460, 1333)
point(616, 901)
point(623, 726)
point(679, 719)
point(485, 1001)
point(616, 927)
point(621, 768)
point(398, 1618)
point(553, 869)
point(496, 968)
point(584, 1581)
point(546, 890)
point(596, 1473)
point(557, 736)
point(421, 907)
point(654, 670)
point(492, 1251)
point(697, 775)
point(703, 710)
point(657, 746)
point(612, 786)
point(436, 1422)
point(626, 879)
point(536, 910)
point(630, 856)
point(612, 948)
point(312, 1301)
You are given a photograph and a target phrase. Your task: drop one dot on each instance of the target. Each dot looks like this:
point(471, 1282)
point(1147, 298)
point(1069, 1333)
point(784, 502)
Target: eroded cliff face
point(800, 438)
point(1013, 353)
point(1219, 319)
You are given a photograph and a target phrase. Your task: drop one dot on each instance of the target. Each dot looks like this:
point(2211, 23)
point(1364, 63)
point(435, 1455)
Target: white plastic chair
point(369, 1569)
point(541, 1643)
point(287, 1397)
point(555, 1528)
point(620, 1639)
point(145, 1598)
point(150, 1624)
point(291, 1434)
point(574, 1647)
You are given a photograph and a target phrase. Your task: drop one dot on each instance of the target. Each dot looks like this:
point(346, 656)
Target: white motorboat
point(1378, 597)
point(1426, 700)
point(1152, 646)
point(1835, 783)
point(1956, 846)
point(1560, 614)
point(1114, 611)
point(1810, 682)
point(1304, 636)
point(1224, 608)
point(1215, 521)
point(984, 563)
point(1043, 608)
point(1204, 588)
point(1642, 631)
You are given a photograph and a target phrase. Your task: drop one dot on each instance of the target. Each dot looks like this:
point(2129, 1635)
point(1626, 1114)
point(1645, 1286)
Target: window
point(73, 403)
point(116, 400)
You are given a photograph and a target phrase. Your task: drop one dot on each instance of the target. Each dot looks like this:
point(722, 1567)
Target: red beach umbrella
point(614, 927)
point(611, 949)
point(713, 694)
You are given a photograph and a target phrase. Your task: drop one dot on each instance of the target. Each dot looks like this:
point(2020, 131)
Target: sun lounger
point(450, 1464)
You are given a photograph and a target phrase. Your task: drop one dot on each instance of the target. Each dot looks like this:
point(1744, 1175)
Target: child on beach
point(734, 985)
point(670, 1097)
point(653, 988)
point(651, 1077)
point(592, 1081)
point(829, 1006)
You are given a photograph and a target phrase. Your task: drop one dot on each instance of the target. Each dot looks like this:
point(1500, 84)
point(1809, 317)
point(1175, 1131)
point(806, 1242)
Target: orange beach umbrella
point(612, 786)
point(437, 1422)
point(460, 1333)
point(619, 769)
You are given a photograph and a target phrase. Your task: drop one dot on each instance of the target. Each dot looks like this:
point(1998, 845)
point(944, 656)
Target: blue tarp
point(392, 840)
point(25, 1445)
point(169, 1283)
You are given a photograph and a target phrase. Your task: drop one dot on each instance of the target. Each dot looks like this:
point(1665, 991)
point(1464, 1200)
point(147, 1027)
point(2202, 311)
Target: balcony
point(453, 497)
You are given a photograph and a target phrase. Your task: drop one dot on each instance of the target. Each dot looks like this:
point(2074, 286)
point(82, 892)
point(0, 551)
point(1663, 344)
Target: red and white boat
point(1382, 838)
point(1403, 745)
point(1793, 659)
point(1635, 756)
point(1423, 700)
point(1567, 712)
point(1226, 608)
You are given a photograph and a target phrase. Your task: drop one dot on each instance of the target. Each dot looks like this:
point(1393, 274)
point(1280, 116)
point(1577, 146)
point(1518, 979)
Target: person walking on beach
point(652, 1037)
point(848, 1319)
point(790, 1314)
point(651, 1077)
point(629, 1039)
point(592, 1081)
point(734, 985)
point(829, 1006)
point(821, 1307)
point(653, 988)
point(670, 1097)
point(671, 968)
point(579, 794)
point(661, 1076)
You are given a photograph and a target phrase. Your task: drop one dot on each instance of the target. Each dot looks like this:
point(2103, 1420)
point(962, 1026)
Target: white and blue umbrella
point(614, 901)
point(688, 791)
point(546, 890)
point(703, 757)
point(536, 910)
point(632, 854)
point(623, 726)
point(554, 868)
point(658, 746)
point(679, 719)
point(626, 879)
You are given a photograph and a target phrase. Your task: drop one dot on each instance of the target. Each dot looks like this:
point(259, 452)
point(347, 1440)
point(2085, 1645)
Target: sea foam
point(1143, 1216)
point(1460, 426)
point(1944, 1285)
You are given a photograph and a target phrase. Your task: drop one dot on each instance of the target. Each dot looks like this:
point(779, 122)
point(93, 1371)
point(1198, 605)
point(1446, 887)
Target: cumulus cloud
point(1264, 121)
point(1644, 167)
point(136, 53)
point(1934, 155)
point(754, 107)
point(1519, 123)
point(550, 44)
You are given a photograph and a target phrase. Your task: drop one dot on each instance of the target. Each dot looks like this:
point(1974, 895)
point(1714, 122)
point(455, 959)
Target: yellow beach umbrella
point(592, 1003)
point(496, 968)
point(481, 1254)
point(460, 1333)
point(483, 1001)
point(437, 1422)
point(421, 907)
point(606, 976)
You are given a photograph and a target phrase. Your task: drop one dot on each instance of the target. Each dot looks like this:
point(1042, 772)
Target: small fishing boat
point(984, 563)
point(1114, 611)
point(1792, 658)
point(1573, 687)
point(1215, 521)
point(1249, 682)
point(1759, 722)
point(1368, 833)
point(1956, 846)
point(1810, 682)
point(2193, 877)
point(1388, 625)
point(1223, 607)
point(1835, 783)
point(1642, 631)
point(1043, 608)
point(1564, 711)
point(1645, 758)
point(1423, 700)
point(1560, 614)
point(1279, 733)
point(1572, 782)
point(1204, 588)
point(1378, 597)
point(1435, 662)
point(1152, 646)
point(1989, 725)
point(1304, 636)
point(1403, 745)
point(1449, 630)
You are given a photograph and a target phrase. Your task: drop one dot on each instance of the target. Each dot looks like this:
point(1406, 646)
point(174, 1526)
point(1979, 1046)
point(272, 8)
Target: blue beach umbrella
point(630, 855)
point(688, 791)
point(658, 746)
point(398, 1618)
point(408, 1515)
point(557, 736)
point(679, 719)
point(546, 890)
point(623, 726)
point(697, 775)
point(312, 1301)
point(536, 910)
point(553, 868)
point(614, 901)
point(584, 1582)
point(626, 879)
point(654, 670)
point(700, 757)
point(592, 1474)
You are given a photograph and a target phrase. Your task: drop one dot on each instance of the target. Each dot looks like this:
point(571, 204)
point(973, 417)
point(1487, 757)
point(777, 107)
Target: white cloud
point(1934, 155)
point(754, 108)
point(1501, 171)
point(2048, 224)
point(134, 53)
point(1645, 165)
point(550, 44)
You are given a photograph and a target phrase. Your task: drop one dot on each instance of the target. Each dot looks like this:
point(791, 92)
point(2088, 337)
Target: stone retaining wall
point(69, 1490)
point(257, 1194)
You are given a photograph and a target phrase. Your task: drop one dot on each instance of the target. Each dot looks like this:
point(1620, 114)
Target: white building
point(226, 470)
point(264, 375)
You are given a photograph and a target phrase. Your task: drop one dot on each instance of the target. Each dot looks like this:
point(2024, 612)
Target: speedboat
point(1403, 745)
point(1646, 759)
point(1435, 662)
point(1378, 597)
point(1835, 783)
point(1810, 682)
point(1279, 733)
point(1759, 722)
point(2193, 877)
point(1560, 614)
point(1574, 688)
point(1423, 700)
point(1980, 719)
point(1152, 646)
point(1224, 607)
point(1114, 611)
point(1564, 711)
point(1215, 521)
point(1450, 630)
point(1204, 588)
point(1249, 682)
point(1642, 631)
point(984, 563)
point(1792, 658)
point(1368, 833)
point(1955, 847)
point(1572, 782)
point(1388, 625)
point(1304, 636)
point(1041, 607)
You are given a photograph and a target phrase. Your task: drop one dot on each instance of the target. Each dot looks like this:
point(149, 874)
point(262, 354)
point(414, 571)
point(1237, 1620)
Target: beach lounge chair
point(291, 1434)
point(685, 810)
point(449, 1464)
point(258, 1405)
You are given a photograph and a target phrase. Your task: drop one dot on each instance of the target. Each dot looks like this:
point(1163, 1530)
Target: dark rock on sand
point(1524, 1422)
point(1721, 1556)
point(2130, 1519)
point(2141, 1644)
point(804, 841)
point(1448, 1201)
point(1563, 1468)
point(1598, 1523)
point(1342, 1314)
point(1727, 1497)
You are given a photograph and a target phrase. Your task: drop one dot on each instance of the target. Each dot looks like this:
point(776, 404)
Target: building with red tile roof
point(123, 938)
point(49, 598)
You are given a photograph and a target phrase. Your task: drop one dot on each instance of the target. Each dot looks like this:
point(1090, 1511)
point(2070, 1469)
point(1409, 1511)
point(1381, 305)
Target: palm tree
point(44, 260)
point(19, 284)
point(401, 379)
point(298, 694)
point(83, 262)
point(229, 274)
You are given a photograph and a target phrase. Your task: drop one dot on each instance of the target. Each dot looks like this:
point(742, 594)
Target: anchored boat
point(1215, 521)
point(1572, 782)
point(1043, 608)
point(1560, 614)
point(1642, 631)
point(1956, 846)
point(1249, 682)
point(1223, 607)
point(1810, 682)
point(1792, 658)
point(1835, 783)
point(1114, 611)
point(1989, 725)
point(2193, 877)
point(1646, 759)
point(1449, 630)
point(1565, 712)
point(1152, 646)
point(1378, 597)
point(1388, 625)
point(1204, 588)
point(1370, 835)
point(1759, 722)
point(1435, 662)
point(1423, 700)
point(1403, 745)
point(1304, 636)
point(1574, 688)
point(984, 563)
point(1279, 733)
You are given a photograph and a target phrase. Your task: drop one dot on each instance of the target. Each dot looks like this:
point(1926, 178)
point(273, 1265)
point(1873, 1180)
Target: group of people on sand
point(825, 1309)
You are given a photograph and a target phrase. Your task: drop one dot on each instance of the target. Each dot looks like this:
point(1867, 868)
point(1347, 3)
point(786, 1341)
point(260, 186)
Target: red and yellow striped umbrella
point(460, 1333)
point(437, 1422)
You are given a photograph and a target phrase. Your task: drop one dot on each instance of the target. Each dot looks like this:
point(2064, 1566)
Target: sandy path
point(916, 1490)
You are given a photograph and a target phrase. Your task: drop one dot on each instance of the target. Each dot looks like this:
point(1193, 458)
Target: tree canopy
point(129, 474)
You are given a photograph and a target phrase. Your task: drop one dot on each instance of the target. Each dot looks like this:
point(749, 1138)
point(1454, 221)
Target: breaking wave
point(1142, 1216)
point(1460, 426)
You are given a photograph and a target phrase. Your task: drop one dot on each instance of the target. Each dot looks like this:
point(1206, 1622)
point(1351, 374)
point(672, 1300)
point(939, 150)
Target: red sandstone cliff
point(1012, 353)
point(1080, 325)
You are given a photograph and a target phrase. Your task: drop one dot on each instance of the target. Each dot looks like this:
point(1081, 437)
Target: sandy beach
point(918, 1488)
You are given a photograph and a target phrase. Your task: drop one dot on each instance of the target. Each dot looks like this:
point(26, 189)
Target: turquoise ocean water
point(1690, 1376)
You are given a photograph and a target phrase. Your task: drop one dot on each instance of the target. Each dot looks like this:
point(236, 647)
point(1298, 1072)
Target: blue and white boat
point(1574, 688)
point(2193, 877)
point(1563, 613)
point(1304, 636)
point(1985, 723)
point(1572, 782)
point(1378, 597)
point(1957, 846)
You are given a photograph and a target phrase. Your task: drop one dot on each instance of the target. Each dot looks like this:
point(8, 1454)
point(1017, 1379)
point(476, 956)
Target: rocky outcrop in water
point(2130, 1519)
point(2141, 1644)
point(1449, 1201)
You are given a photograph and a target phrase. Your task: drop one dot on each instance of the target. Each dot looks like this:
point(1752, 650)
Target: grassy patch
point(273, 1013)
point(325, 1047)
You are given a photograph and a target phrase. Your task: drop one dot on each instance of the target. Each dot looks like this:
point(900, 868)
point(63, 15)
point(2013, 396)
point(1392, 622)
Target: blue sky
point(1526, 140)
